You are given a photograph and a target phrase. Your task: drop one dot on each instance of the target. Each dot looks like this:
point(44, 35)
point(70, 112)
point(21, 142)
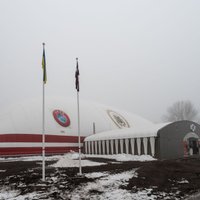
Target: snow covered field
point(107, 185)
point(71, 159)
point(99, 185)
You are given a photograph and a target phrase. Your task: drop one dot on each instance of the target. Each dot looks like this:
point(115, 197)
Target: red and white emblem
point(61, 118)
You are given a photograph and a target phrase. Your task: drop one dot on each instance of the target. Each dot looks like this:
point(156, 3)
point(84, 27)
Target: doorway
point(191, 144)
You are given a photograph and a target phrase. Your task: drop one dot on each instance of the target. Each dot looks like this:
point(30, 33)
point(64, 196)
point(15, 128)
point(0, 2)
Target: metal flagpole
point(43, 112)
point(79, 139)
point(43, 136)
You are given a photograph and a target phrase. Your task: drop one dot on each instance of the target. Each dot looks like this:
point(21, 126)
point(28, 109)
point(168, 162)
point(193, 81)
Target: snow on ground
point(124, 157)
point(72, 160)
point(107, 187)
point(29, 158)
point(14, 195)
point(6, 193)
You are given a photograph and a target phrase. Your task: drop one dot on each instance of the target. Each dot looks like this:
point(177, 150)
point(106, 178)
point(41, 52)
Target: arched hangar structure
point(163, 141)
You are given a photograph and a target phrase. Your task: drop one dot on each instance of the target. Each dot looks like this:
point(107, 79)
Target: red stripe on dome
point(38, 138)
point(35, 150)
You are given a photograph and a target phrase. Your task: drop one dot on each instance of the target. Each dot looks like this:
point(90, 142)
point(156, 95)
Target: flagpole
point(79, 139)
point(43, 113)
point(78, 112)
point(43, 135)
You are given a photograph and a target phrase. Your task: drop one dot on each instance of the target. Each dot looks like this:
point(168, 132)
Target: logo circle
point(119, 120)
point(192, 127)
point(61, 118)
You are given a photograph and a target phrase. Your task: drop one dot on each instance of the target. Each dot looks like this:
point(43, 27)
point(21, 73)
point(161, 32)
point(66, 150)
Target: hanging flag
point(77, 75)
point(44, 66)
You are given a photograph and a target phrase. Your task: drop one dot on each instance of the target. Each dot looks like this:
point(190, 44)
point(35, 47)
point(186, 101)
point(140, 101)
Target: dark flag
point(77, 75)
point(44, 66)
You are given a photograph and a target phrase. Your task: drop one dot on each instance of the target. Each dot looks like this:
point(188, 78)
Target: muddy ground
point(178, 178)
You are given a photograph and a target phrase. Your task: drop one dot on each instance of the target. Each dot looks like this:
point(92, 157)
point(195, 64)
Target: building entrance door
point(191, 144)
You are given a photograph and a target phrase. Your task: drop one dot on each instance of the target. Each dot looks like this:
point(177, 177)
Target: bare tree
point(181, 110)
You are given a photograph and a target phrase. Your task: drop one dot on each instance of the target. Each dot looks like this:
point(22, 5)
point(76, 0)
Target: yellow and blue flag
point(44, 66)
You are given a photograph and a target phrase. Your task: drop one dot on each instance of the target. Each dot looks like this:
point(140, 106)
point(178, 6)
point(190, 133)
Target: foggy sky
point(140, 56)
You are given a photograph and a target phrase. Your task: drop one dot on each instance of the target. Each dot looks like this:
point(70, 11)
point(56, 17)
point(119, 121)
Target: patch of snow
point(183, 181)
point(26, 197)
point(6, 193)
point(195, 196)
point(75, 156)
point(29, 158)
point(72, 160)
point(96, 174)
point(123, 157)
point(108, 187)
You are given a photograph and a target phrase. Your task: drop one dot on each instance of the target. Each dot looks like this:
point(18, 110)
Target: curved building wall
point(173, 140)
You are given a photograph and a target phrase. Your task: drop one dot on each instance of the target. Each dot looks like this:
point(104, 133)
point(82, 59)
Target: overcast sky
point(140, 56)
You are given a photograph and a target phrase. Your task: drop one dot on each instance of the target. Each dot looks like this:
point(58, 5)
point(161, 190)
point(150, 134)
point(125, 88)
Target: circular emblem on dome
point(119, 120)
point(192, 127)
point(61, 118)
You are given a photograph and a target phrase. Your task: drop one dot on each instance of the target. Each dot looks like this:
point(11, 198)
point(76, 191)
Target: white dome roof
point(26, 117)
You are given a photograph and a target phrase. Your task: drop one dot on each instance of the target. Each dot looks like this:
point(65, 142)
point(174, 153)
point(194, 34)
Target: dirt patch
point(181, 177)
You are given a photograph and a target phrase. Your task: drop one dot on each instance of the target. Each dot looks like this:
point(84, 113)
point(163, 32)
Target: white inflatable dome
point(26, 117)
